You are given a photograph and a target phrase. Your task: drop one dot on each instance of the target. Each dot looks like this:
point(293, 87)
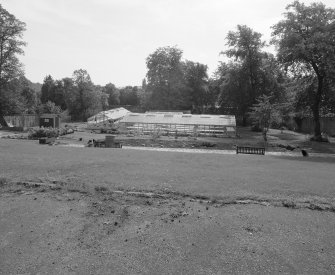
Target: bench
point(250, 150)
point(102, 144)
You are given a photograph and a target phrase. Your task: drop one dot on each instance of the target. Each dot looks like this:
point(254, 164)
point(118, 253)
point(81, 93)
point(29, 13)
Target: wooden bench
point(250, 150)
point(102, 143)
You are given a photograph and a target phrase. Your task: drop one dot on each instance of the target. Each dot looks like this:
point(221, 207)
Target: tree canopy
point(165, 78)
point(11, 44)
point(249, 73)
point(175, 84)
point(305, 42)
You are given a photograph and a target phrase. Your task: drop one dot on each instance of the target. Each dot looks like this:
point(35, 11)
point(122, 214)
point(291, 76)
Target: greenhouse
point(178, 124)
point(107, 117)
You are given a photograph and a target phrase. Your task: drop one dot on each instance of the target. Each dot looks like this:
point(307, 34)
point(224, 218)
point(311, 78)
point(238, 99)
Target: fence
point(24, 121)
point(327, 125)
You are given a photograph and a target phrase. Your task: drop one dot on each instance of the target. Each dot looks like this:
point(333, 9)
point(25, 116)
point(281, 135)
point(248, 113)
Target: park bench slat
point(250, 150)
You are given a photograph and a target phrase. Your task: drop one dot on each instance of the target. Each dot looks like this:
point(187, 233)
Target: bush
point(207, 144)
point(43, 132)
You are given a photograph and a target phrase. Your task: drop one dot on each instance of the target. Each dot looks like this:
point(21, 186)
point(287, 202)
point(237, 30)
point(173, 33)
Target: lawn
point(201, 174)
point(124, 211)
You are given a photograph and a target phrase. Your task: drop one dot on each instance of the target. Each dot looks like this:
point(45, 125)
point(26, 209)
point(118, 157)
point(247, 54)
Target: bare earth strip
point(70, 210)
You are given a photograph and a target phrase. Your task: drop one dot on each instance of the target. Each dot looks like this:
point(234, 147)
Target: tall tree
point(48, 89)
point(249, 73)
point(84, 87)
point(305, 40)
point(59, 94)
point(197, 84)
point(129, 96)
point(245, 46)
point(11, 32)
point(83, 99)
point(242, 75)
point(165, 79)
point(113, 94)
point(231, 82)
point(29, 96)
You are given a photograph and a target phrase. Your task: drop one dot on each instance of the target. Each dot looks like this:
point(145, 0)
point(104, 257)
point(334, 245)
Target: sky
point(111, 39)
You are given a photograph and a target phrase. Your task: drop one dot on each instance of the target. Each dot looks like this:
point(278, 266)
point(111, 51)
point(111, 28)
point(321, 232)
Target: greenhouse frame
point(178, 124)
point(107, 117)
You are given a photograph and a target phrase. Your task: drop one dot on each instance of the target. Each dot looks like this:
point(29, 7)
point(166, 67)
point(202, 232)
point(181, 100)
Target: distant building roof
point(185, 119)
point(169, 111)
point(165, 113)
point(110, 115)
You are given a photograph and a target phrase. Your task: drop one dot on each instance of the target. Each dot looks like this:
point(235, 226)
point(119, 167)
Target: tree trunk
point(316, 110)
point(244, 120)
point(3, 122)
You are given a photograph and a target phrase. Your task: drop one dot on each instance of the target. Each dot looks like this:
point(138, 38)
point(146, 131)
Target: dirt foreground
point(57, 229)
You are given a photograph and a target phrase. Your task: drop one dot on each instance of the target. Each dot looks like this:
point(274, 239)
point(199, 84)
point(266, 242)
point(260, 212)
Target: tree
point(59, 94)
point(166, 84)
point(113, 94)
point(49, 108)
point(242, 77)
point(85, 93)
point(196, 79)
point(83, 99)
point(129, 96)
point(249, 73)
point(11, 32)
point(246, 47)
point(48, 89)
point(29, 96)
point(263, 113)
point(305, 42)
point(232, 89)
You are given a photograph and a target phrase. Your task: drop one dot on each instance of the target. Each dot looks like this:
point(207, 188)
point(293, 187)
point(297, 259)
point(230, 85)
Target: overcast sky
point(112, 38)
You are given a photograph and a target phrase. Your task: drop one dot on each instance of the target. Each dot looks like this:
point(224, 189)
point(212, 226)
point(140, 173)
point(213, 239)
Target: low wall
point(327, 125)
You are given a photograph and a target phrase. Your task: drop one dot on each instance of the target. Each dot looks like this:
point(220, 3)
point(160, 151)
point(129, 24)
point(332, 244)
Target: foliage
point(196, 79)
point(263, 113)
point(83, 98)
point(165, 83)
point(129, 96)
point(249, 73)
point(174, 84)
point(11, 32)
point(47, 89)
point(305, 43)
point(42, 132)
point(113, 94)
point(53, 91)
point(49, 108)
point(18, 97)
point(29, 96)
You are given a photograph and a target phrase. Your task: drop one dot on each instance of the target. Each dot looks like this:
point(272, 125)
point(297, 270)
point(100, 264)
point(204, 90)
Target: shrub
point(43, 132)
point(207, 144)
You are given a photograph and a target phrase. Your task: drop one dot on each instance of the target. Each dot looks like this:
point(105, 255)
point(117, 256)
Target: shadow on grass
point(319, 159)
